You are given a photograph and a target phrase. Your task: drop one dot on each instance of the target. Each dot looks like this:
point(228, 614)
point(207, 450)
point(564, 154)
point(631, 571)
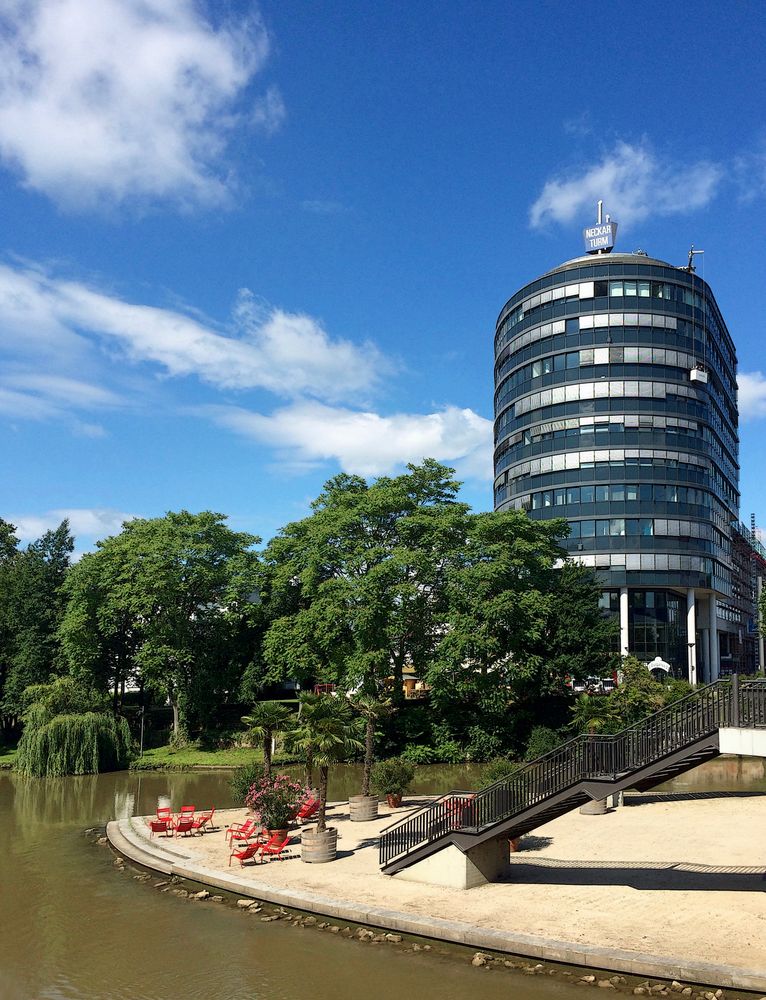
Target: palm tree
point(594, 714)
point(266, 719)
point(371, 709)
point(324, 735)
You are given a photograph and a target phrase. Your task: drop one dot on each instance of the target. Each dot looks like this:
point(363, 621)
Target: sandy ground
point(679, 876)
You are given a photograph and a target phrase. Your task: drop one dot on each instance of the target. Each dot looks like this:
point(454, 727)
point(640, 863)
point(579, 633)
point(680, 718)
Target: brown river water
point(73, 927)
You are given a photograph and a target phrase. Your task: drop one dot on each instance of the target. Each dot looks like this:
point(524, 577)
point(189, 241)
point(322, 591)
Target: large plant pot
point(596, 807)
point(394, 799)
point(363, 808)
point(282, 834)
point(318, 848)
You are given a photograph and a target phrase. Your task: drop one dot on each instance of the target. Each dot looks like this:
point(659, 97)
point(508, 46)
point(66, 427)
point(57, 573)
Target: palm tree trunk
point(323, 777)
point(309, 768)
point(369, 742)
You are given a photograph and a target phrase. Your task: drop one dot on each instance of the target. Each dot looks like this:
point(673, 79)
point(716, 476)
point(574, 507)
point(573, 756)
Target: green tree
point(325, 735)
point(265, 720)
point(164, 601)
point(33, 602)
point(358, 588)
point(638, 693)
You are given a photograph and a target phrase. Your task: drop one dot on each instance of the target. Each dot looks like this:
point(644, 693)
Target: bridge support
point(454, 869)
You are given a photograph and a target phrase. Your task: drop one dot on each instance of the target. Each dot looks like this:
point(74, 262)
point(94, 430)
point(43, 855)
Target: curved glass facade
point(616, 408)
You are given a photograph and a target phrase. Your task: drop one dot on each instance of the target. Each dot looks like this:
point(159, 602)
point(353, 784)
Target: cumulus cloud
point(93, 522)
point(633, 183)
point(752, 395)
point(110, 100)
point(366, 443)
point(288, 354)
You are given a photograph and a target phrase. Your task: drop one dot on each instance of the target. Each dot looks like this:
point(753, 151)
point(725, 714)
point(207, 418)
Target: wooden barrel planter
point(318, 848)
point(363, 808)
point(596, 807)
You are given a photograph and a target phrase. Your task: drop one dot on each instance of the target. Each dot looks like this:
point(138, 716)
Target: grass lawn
point(165, 759)
point(7, 757)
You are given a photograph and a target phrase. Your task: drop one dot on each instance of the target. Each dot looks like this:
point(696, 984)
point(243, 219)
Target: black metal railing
point(729, 702)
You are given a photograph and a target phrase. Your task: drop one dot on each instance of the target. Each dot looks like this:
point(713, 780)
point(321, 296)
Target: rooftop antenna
point(692, 254)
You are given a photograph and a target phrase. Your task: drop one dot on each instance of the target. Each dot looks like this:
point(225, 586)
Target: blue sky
point(244, 247)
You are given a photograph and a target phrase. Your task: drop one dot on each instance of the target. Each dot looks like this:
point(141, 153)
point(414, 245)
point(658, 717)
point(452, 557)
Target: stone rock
point(309, 921)
point(102, 841)
point(657, 989)
point(159, 885)
point(605, 984)
point(334, 929)
point(395, 938)
point(216, 899)
point(676, 986)
point(479, 960)
point(245, 904)
point(587, 979)
point(377, 938)
point(426, 947)
point(719, 994)
point(202, 894)
point(639, 991)
point(118, 863)
point(267, 920)
point(364, 934)
point(687, 991)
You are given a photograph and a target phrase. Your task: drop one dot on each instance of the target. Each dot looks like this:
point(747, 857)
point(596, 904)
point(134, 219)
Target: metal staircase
point(673, 740)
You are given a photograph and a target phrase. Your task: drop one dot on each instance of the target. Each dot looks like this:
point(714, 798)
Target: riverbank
point(669, 886)
point(7, 757)
point(192, 758)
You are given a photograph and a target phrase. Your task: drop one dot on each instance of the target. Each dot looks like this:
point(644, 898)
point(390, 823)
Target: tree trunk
point(176, 717)
point(323, 776)
point(267, 755)
point(369, 742)
point(309, 766)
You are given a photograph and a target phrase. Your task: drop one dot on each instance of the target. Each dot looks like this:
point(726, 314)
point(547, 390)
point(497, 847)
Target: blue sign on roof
point(600, 238)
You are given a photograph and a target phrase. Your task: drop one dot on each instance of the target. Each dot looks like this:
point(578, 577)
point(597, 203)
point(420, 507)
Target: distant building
point(616, 408)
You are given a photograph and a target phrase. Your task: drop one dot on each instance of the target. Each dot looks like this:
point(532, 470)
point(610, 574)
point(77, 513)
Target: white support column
point(691, 635)
point(706, 646)
point(624, 630)
point(715, 653)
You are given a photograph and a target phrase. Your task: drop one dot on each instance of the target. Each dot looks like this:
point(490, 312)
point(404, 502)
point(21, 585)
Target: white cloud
point(633, 183)
point(285, 353)
point(93, 522)
point(269, 111)
point(107, 100)
point(752, 395)
point(368, 444)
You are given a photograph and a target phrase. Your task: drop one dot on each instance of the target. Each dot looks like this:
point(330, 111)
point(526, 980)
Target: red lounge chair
point(164, 812)
point(241, 831)
point(274, 846)
point(187, 811)
point(245, 854)
point(307, 810)
point(204, 821)
point(184, 825)
point(160, 826)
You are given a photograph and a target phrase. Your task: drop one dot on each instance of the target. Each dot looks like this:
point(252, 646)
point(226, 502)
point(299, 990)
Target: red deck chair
point(241, 831)
point(187, 811)
point(164, 812)
point(184, 825)
point(245, 854)
point(204, 821)
point(307, 810)
point(273, 847)
point(160, 826)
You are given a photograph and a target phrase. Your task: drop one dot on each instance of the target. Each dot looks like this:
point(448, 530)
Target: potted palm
point(392, 778)
point(325, 734)
point(364, 807)
point(266, 720)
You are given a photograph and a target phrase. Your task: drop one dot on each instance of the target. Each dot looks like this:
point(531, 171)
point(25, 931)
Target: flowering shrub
point(276, 800)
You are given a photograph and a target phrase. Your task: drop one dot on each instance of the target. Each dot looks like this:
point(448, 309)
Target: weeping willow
point(84, 743)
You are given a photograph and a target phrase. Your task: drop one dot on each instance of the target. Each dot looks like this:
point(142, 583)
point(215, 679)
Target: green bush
point(417, 753)
point(483, 745)
point(541, 741)
point(449, 752)
point(497, 770)
point(241, 780)
point(392, 776)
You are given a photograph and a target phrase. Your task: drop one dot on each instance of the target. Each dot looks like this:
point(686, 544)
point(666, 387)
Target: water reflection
point(75, 928)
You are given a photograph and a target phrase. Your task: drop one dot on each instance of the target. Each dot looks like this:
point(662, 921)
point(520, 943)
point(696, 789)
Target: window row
point(604, 388)
point(607, 457)
point(596, 356)
point(619, 526)
point(619, 493)
point(633, 288)
point(647, 561)
point(591, 321)
point(573, 427)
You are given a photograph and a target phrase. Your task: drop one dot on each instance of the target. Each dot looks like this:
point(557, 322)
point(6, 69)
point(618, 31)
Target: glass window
point(617, 526)
point(602, 493)
point(559, 362)
point(644, 289)
point(617, 492)
point(573, 359)
point(559, 497)
point(630, 288)
point(587, 529)
point(586, 494)
point(602, 528)
point(547, 499)
point(573, 494)
point(631, 526)
point(646, 526)
point(586, 357)
point(575, 532)
point(615, 288)
point(599, 288)
point(537, 369)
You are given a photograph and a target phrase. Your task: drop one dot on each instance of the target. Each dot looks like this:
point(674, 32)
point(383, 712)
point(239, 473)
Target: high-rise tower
point(616, 408)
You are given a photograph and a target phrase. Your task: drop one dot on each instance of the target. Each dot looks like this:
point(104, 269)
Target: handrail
point(585, 757)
